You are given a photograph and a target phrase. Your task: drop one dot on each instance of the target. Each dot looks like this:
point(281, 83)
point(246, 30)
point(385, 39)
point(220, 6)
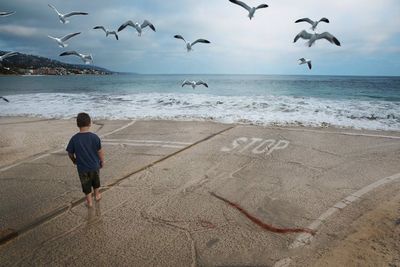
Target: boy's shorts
point(88, 180)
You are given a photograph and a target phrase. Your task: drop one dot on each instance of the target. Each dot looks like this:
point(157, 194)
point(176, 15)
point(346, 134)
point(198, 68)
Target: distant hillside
point(23, 64)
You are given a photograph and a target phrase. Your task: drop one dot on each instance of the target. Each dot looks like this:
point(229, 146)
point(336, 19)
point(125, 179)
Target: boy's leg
point(97, 194)
point(89, 200)
point(86, 187)
point(96, 185)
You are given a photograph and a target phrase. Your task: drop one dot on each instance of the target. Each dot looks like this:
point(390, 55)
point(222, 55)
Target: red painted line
point(263, 225)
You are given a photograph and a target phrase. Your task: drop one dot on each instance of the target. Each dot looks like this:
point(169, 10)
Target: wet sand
point(157, 208)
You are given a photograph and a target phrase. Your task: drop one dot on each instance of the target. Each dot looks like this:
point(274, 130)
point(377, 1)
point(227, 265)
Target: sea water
point(340, 101)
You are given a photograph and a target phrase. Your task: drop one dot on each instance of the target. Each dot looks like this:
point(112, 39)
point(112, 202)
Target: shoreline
point(326, 128)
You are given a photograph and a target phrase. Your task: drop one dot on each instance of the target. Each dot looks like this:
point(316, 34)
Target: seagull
point(6, 14)
point(305, 61)
point(139, 27)
point(314, 24)
point(194, 83)
point(63, 17)
point(85, 58)
point(106, 31)
point(190, 45)
point(312, 37)
point(61, 41)
point(251, 10)
point(6, 55)
point(5, 99)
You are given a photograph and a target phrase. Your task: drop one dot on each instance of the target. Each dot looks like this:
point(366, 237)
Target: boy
point(84, 150)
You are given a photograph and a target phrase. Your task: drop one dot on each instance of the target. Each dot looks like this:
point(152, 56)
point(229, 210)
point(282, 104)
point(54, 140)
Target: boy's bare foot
point(97, 197)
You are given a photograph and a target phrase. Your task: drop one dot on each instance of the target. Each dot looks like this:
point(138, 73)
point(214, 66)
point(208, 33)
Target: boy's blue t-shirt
point(85, 147)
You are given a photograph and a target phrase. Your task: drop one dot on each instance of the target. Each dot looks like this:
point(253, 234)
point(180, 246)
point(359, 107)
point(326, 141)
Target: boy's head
point(83, 120)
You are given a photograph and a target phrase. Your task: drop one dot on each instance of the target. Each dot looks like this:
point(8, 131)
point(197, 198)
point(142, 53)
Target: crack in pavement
point(155, 220)
point(101, 126)
point(37, 180)
point(46, 163)
point(327, 152)
point(304, 165)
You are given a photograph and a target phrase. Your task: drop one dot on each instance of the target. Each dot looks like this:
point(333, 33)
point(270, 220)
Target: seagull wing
point(114, 33)
point(303, 34)
point(179, 37)
point(55, 9)
point(329, 37)
point(186, 82)
point(305, 20)
point(100, 28)
point(70, 53)
point(202, 83)
point(204, 41)
point(75, 13)
point(126, 24)
point(147, 23)
point(5, 99)
point(9, 54)
point(309, 64)
point(324, 20)
point(51, 37)
point(302, 60)
point(5, 14)
point(69, 36)
point(240, 3)
point(262, 6)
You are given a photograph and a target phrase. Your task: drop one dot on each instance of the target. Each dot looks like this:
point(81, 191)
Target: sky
point(369, 32)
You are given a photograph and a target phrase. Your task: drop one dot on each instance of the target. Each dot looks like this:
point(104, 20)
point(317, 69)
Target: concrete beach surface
point(159, 208)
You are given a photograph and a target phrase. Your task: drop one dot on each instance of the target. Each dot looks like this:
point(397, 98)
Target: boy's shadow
point(94, 214)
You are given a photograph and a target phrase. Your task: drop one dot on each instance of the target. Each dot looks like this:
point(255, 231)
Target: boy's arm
point(72, 157)
point(101, 157)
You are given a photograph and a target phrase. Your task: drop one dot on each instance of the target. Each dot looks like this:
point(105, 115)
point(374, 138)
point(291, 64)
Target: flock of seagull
point(139, 27)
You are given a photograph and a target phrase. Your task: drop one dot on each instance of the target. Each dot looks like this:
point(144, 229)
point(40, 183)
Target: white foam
point(264, 110)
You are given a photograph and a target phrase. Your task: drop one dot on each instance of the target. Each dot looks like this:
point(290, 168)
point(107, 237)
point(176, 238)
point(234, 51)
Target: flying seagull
point(194, 83)
point(106, 31)
point(305, 61)
point(314, 24)
point(312, 37)
point(63, 17)
point(5, 99)
point(6, 14)
point(61, 41)
point(6, 55)
point(139, 27)
point(87, 59)
point(251, 10)
point(190, 45)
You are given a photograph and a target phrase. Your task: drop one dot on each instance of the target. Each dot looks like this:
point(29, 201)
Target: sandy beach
point(322, 196)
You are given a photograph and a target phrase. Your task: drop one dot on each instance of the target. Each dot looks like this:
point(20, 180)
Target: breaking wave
point(262, 110)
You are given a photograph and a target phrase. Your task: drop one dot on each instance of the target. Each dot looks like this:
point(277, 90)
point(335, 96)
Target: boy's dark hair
point(83, 120)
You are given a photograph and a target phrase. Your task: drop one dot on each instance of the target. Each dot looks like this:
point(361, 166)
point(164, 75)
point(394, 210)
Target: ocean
point(339, 101)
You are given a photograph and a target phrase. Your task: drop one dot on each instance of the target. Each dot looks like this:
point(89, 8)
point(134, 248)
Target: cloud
point(262, 45)
point(19, 31)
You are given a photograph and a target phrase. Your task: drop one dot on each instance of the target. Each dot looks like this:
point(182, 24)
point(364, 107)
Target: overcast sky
point(368, 30)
